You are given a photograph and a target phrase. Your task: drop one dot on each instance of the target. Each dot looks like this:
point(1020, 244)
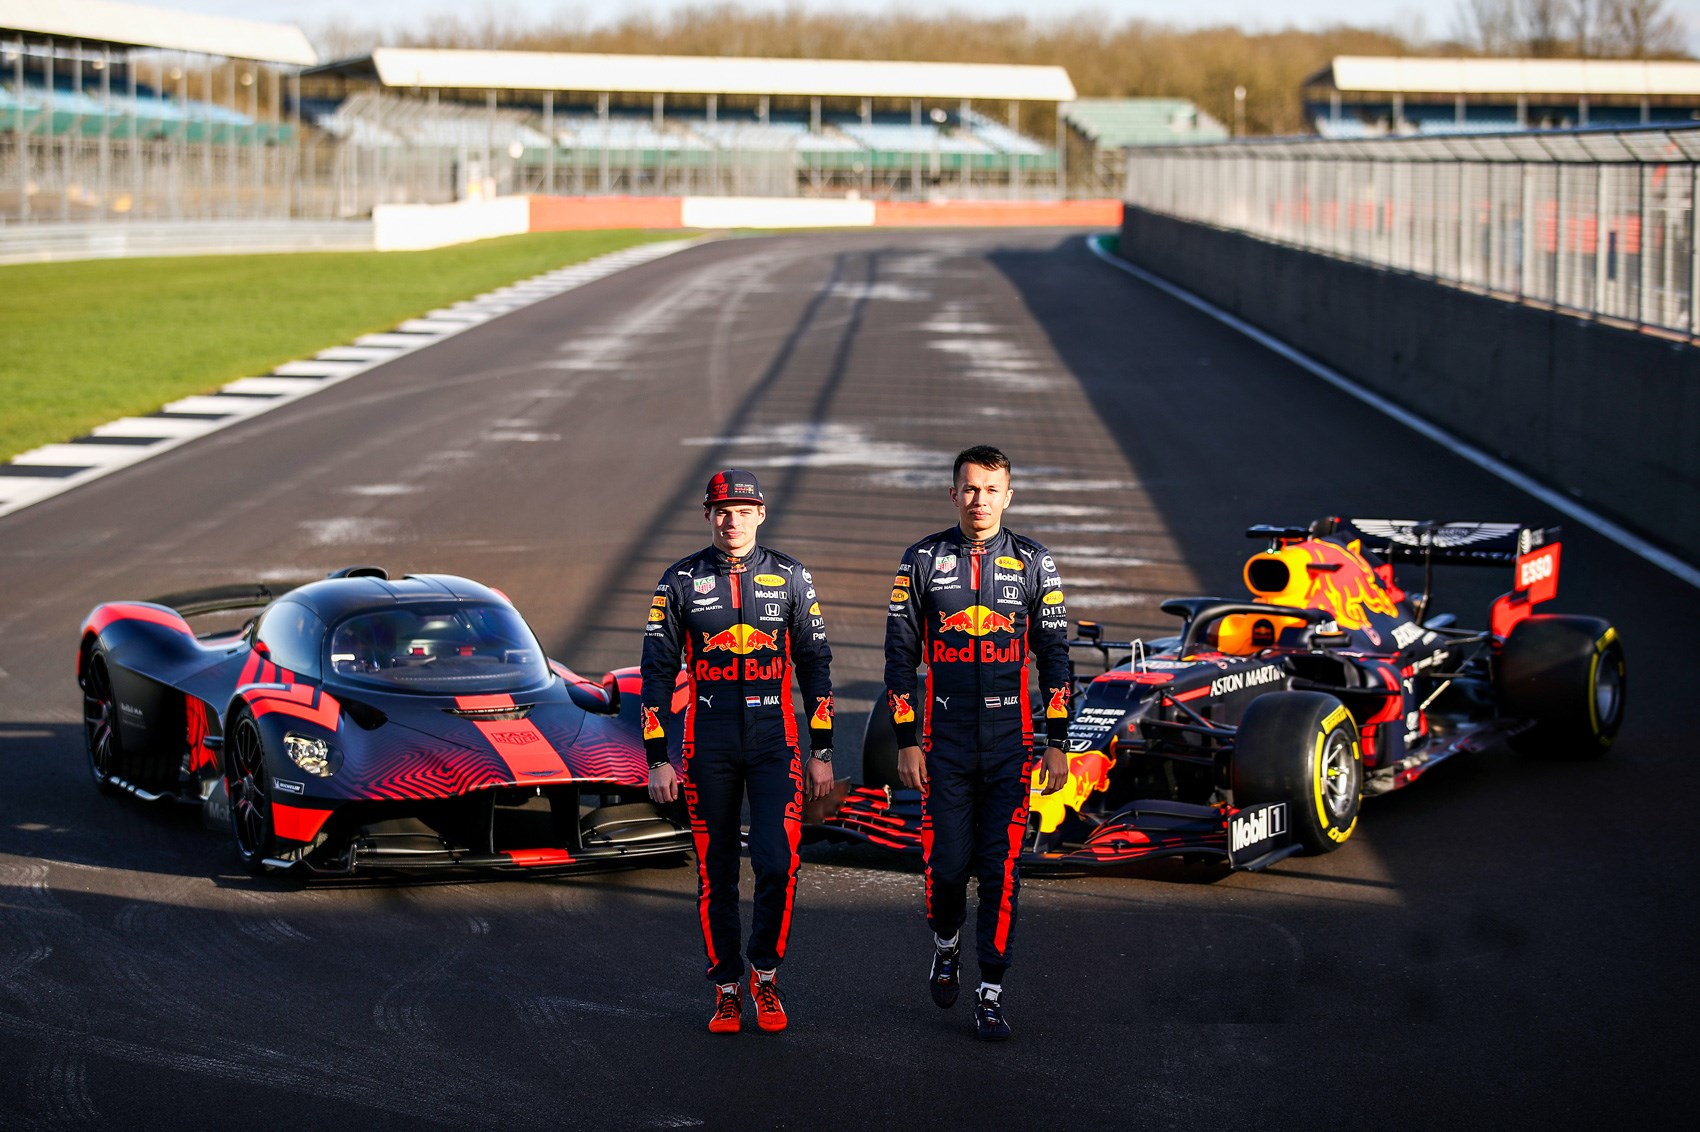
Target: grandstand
point(1108, 127)
point(1366, 97)
point(114, 111)
point(564, 122)
point(1119, 123)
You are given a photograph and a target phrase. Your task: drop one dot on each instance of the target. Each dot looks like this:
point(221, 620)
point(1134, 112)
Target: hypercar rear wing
point(219, 599)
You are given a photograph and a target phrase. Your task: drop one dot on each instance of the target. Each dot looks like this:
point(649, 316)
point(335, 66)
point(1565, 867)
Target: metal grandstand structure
point(429, 124)
point(1370, 96)
point(1600, 222)
point(121, 111)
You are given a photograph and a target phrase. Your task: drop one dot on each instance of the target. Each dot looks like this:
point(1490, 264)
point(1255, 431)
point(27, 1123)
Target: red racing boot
point(770, 1004)
point(728, 1009)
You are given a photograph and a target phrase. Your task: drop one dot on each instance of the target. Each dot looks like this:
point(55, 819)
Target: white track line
point(1589, 518)
point(250, 396)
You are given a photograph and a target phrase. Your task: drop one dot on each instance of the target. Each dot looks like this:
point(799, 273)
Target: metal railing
point(1597, 222)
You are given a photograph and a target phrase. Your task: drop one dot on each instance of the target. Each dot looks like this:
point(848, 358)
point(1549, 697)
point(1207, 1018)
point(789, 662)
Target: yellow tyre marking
point(1335, 718)
point(1321, 741)
point(1594, 693)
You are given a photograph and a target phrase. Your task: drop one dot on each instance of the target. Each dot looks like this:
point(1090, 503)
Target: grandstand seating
point(1001, 138)
point(1116, 123)
point(631, 138)
point(35, 109)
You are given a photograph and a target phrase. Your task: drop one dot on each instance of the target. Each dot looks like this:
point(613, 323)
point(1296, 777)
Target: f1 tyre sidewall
point(1301, 748)
point(1567, 676)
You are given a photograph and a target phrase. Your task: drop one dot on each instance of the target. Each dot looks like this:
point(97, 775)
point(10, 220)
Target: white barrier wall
point(50, 243)
point(412, 227)
point(775, 212)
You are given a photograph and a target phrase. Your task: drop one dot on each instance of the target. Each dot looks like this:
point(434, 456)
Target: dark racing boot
point(770, 1004)
point(728, 1009)
point(946, 977)
point(989, 1024)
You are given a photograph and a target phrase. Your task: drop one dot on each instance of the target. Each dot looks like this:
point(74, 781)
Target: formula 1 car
point(1255, 731)
point(365, 721)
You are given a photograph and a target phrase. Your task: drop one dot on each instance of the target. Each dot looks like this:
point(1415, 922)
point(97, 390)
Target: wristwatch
point(824, 755)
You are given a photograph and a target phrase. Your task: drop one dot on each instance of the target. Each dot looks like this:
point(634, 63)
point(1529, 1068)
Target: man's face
point(980, 495)
point(735, 526)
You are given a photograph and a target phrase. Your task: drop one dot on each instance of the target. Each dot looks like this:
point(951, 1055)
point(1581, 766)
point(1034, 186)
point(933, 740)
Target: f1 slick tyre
point(109, 759)
point(1566, 675)
point(248, 784)
point(1301, 748)
point(879, 749)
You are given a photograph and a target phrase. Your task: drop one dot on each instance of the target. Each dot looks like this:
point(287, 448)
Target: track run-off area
point(1510, 942)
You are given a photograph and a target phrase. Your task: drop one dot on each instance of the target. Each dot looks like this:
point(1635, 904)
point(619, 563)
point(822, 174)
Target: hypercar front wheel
point(249, 787)
point(100, 723)
point(1301, 748)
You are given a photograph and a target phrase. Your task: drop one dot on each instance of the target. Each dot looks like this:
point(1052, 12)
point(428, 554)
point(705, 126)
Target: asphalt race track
point(1510, 943)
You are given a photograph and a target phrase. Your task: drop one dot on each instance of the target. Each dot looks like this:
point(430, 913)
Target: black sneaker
point(989, 1025)
point(946, 977)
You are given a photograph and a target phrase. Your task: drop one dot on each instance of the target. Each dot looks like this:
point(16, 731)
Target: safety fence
point(1597, 222)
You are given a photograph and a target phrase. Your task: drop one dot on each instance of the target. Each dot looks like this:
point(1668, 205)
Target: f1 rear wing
point(1531, 552)
point(1447, 544)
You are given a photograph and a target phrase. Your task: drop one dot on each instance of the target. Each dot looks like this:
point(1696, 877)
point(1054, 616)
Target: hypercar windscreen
point(450, 649)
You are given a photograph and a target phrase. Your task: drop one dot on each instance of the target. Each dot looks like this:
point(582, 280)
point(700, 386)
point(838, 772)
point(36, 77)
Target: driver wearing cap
point(736, 618)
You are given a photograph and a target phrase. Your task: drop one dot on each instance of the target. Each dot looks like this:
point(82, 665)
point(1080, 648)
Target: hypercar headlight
point(311, 754)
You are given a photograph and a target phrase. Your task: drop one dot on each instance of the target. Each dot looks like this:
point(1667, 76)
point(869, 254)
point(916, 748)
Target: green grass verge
point(92, 341)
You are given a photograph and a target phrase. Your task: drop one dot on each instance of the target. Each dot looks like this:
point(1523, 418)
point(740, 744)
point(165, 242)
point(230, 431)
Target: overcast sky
point(1433, 19)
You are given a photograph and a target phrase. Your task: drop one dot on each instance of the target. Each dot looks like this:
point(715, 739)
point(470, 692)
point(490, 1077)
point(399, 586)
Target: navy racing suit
point(975, 613)
point(736, 629)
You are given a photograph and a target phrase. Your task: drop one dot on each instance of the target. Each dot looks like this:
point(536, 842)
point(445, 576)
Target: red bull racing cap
point(734, 485)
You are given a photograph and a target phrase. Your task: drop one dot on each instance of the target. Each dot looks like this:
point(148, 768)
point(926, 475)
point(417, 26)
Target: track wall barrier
point(1608, 414)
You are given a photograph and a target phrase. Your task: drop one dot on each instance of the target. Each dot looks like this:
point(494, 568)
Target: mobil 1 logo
point(1257, 830)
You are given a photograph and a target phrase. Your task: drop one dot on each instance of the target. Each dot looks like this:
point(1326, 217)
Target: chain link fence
point(1598, 222)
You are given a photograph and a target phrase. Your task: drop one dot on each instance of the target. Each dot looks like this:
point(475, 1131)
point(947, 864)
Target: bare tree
point(1639, 29)
point(1489, 26)
point(1542, 25)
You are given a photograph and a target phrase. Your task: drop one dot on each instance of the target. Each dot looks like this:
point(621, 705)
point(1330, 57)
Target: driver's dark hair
point(983, 455)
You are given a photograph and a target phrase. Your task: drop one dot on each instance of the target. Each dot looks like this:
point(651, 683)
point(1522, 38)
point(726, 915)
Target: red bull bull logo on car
point(1087, 773)
point(976, 621)
point(739, 639)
